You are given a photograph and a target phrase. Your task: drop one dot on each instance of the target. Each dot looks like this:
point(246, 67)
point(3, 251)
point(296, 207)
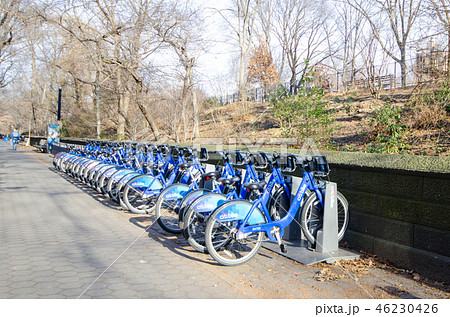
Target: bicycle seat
point(184, 165)
point(211, 175)
point(226, 181)
point(255, 186)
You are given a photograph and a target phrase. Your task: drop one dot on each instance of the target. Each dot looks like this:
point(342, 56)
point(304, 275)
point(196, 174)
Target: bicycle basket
point(320, 164)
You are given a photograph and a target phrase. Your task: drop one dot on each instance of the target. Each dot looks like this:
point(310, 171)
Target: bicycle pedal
point(283, 248)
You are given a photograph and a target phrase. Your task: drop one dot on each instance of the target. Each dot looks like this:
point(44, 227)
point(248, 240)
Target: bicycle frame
point(154, 188)
point(267, 225)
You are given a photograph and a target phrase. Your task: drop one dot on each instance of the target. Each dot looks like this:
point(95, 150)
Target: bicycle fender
point(176, 191)
point(125, 179)
point(209, 202)
point(238, 210)
point(149, 182)
point(111, 171)
point(193, 195)
point(121, 174)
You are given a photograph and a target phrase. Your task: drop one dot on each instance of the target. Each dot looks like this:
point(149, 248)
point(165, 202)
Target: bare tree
point(88, 34)
point(183, 33)
point(10, 33)
point(439, 10)
point(374, 63)
point(265, 20)
point(241, 18)
point(116, 39)
point(298, 27)
point(399, 16)
point(344, 49)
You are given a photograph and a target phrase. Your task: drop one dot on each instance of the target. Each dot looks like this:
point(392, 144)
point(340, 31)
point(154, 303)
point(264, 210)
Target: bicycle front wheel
point(311, 219)
point(194, 229)
point(135, 197)
point(221, 240)
point(196, 217)
point(167, 207)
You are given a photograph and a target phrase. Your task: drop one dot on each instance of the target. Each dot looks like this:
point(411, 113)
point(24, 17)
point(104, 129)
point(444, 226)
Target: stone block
point(384, 228)
point(386, 183)
point(358, 241)
point(359, 201)
point(396, 208)
point(432, 240)
point(433, 215)
point(340, 176)
point(428, 264)
point(437, 190)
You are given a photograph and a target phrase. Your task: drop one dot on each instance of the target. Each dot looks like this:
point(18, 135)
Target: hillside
point(424, 131)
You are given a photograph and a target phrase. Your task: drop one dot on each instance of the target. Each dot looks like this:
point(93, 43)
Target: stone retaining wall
point(399, 214)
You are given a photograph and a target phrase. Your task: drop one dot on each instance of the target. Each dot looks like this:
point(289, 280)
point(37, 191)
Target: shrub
point(431, 110)
point(303, 115)
point(389, 134)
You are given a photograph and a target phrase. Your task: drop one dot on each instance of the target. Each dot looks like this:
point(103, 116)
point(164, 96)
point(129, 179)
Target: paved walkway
point(59, 239)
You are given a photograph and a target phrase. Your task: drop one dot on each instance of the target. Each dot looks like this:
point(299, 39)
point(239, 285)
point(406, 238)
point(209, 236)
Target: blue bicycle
point(168, 204)
point(157, 165)
point(141, 192)
point(236, 229)
point(143, 163)
point(197, 212)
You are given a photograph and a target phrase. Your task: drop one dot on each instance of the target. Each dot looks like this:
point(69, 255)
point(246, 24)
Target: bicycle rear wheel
point(311, 219)
point(221, 240)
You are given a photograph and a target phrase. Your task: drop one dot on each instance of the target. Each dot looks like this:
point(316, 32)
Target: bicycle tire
point(104, 178)
point(195, 222)
point(121, 187)
point(222, 245)
point(135, 199)
point(98, 174)
point(111, 186)
point(166, 210)
point(187, 200)
point(311, 218)
point(278, 204)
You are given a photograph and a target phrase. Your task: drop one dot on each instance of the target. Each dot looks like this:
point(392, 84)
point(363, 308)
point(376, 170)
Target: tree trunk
point(242, 77)
point(184, 102)
point(448, 53)
point(97, 107)
point(97, 102)
point(148, 117)
point(293, 82)
point(196, 114)
point(403, 67)
point(123, 112)
point(120, 100)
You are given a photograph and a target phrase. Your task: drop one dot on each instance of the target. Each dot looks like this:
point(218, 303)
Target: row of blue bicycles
point(226, 209)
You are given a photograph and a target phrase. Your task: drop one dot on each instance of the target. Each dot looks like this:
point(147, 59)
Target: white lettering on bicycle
point(228, 215)
point(300, 192)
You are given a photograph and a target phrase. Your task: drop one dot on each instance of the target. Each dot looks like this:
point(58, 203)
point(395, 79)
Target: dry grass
point(428, 126)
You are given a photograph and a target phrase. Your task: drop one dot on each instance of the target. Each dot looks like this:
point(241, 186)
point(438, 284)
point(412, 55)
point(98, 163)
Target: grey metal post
point(327, 237)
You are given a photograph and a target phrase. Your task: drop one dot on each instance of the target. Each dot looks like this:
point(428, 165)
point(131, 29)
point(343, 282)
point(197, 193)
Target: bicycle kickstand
point(280, 244)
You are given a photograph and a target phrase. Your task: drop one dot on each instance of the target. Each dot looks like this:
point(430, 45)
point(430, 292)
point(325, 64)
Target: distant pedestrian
point(15, 136)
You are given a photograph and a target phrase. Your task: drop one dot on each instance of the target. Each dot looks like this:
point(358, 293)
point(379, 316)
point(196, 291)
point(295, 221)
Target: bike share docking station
point(326, 249)
point(297, 246)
